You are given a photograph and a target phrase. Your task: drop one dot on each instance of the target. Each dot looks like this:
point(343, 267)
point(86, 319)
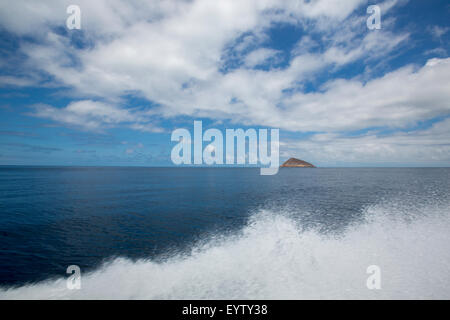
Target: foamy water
point(273, 257)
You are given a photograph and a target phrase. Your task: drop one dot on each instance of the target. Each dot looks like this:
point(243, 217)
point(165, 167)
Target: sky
point(112, 92)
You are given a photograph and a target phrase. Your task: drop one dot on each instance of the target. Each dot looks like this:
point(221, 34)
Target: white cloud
point(398, 99)
point(438, 31)
point(171, 53)
point(94, 115)
point(174, 60)
point(419, 147)
point(259, 56)
point(325, 8)
point(16, 81)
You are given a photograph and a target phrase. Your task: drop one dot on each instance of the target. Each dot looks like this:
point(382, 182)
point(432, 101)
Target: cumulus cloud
point(414, 147)
point(174, 60)
point(174, 54)
point(398, 99)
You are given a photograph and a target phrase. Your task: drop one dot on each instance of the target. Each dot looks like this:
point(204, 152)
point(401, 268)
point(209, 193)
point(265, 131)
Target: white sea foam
point(274, 258)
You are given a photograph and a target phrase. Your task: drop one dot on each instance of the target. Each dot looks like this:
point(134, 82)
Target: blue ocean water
point(224, 232)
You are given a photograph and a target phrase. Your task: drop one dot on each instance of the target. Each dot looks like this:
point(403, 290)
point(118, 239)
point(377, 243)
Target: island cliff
point(296, 163)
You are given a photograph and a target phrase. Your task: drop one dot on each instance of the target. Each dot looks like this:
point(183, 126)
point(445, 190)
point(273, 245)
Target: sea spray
point(273, 257)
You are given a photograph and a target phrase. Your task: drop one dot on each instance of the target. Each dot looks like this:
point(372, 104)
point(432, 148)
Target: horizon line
point(208, 167)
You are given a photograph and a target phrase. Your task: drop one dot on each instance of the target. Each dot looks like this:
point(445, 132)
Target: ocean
point(224, 233)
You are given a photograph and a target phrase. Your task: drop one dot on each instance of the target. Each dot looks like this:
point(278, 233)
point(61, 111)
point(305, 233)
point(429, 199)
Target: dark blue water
point(53, 217)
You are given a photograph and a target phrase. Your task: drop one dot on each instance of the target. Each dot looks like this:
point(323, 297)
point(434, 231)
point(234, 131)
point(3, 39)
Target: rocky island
point(296, 163)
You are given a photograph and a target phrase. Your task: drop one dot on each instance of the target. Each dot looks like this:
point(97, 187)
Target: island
point(296, 163)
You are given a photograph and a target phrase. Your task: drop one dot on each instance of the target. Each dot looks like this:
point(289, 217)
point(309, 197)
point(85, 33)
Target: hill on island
point(297, 163)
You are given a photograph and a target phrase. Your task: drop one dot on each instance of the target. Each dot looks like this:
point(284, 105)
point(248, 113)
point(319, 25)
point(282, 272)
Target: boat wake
point(274, 257)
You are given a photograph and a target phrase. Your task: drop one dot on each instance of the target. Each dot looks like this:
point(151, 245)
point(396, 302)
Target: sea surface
point(224, 233)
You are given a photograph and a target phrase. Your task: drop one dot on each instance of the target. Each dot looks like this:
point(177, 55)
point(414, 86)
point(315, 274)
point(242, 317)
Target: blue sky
point(112, 92)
